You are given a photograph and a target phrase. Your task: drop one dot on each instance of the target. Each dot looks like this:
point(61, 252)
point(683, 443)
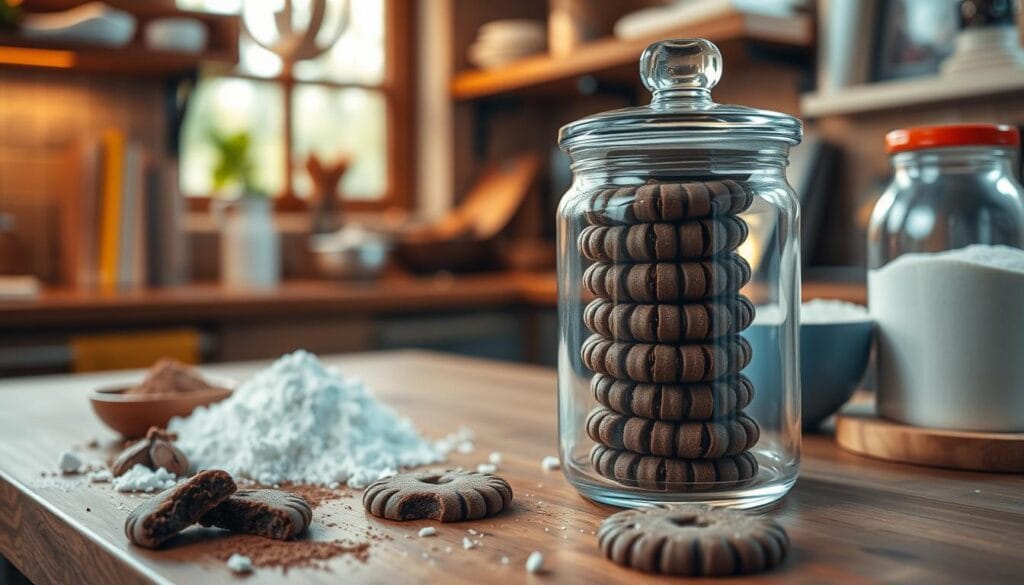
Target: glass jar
point(952, 186)
point(678, 228)
point(942, 282)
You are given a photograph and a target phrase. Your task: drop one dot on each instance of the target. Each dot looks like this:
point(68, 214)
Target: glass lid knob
point(686, 66)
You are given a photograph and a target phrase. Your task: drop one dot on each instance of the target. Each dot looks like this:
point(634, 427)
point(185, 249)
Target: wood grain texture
point(851, 519)
point(869, 435)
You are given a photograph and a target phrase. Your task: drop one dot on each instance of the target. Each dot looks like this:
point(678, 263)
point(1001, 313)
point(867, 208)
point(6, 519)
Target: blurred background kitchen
point(232, 179)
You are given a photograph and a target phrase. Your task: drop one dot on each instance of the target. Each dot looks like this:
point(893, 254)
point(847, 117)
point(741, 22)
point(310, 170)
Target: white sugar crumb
point(468, 544)
point(832, 311)
point(427, 531)
point(101, 476)
point(495, 458)
point(535, 562)
point(504, 560)
point(143, 479)
point(550, 462)
point(240, 564)
point(486, 468)
point(69, 462)
point(300, 421)
point(473, 532)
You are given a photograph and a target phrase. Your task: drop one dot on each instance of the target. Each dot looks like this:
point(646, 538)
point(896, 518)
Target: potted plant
point(250, 250)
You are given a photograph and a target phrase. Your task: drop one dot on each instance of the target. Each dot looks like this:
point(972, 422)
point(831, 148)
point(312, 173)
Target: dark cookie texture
point(673, 402)
point(668, 202)
point(271, 513)
point(446, 496)
point(672, 323)
point(666, 364)
point(693, 541)
point(709, 439)
point(653, 242)
point(169, 512)
point(668, 282)
point(668, 474)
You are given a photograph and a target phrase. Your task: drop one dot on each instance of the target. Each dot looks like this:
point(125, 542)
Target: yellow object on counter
point(141, 349)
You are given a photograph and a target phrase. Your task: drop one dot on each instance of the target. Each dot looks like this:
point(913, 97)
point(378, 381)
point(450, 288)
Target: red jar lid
point(919, 137)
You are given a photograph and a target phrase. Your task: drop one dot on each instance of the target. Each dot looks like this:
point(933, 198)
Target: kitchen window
point(351, 101)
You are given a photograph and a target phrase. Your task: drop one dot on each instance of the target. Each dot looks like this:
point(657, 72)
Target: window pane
point(227, 106)
point(358, 56)
point(337, 122)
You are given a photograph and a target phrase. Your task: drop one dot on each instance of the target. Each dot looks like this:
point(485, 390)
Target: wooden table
point(852, 520)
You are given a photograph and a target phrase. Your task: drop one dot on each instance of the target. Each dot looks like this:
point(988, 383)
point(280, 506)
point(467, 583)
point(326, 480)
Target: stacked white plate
point(501, 42)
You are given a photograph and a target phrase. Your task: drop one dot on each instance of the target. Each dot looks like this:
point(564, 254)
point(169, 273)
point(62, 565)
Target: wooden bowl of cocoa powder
point(169, 389)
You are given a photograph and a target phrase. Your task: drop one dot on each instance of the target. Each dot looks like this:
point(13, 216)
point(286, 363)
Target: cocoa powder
point(287, 554)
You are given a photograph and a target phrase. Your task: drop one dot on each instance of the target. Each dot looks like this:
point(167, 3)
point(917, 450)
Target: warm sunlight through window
point(340, 104)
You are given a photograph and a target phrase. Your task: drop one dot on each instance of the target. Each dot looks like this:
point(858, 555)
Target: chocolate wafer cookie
point(669, 323)
point(667, 474)
point(668, 202)
point(446, 496)
point(667, 282)
point(693, 541)
point(169, 512)
point(271, 513)
point(666, 364)
point(652, 242)
point(673, 402)
point(708, 439)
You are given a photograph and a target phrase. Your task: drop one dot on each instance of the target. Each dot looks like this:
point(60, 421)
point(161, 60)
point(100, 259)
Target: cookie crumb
point(495, 458)
point(486, 468)
point(240, 564)
point(550, 462)
point(427, 531)
point(535, 562)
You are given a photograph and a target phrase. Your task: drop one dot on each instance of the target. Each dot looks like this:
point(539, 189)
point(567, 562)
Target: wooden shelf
point(392, 294)
point(618, 58)
point(135, 58)
point(927, 90)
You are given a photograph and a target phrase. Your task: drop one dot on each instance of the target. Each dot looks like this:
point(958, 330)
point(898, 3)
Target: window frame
point(397, 90)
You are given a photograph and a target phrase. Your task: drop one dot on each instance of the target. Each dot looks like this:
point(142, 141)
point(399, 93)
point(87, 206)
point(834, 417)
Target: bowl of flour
point(835, 344)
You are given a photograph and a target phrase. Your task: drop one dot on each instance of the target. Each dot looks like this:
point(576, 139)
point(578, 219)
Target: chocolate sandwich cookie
point(708, 439)
point(693, 541)
point(446, 496)
point(669, 323)
point(666, 364)
point(652, 242)
point(169, 512)
point(668, 202)
point(668, 474)
point(667, 282)
point(673, 402)
point(271, 513)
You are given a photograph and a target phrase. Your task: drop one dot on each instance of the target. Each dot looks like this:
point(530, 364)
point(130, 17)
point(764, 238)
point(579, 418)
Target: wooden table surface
point(851, 520)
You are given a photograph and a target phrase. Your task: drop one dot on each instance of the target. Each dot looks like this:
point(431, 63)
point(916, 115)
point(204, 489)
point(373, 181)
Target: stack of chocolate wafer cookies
point(666, 351)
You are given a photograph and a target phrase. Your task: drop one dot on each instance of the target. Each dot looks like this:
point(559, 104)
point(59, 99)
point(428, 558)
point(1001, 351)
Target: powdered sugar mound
point(997, 257)
point(302, 422)
point(143, 479)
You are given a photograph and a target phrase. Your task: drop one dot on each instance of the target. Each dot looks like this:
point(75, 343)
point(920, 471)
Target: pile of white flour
point(302, 422)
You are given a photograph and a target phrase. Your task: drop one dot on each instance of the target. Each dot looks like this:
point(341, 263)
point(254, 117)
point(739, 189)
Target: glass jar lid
point(680, 74)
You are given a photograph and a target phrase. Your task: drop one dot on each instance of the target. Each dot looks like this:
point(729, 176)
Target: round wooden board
point(866, 434)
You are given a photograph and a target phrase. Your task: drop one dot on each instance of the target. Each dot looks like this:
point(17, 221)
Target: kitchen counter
point(851, 519)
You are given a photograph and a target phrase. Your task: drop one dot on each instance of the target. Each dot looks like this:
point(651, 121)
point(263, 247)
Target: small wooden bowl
point(132, 415)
